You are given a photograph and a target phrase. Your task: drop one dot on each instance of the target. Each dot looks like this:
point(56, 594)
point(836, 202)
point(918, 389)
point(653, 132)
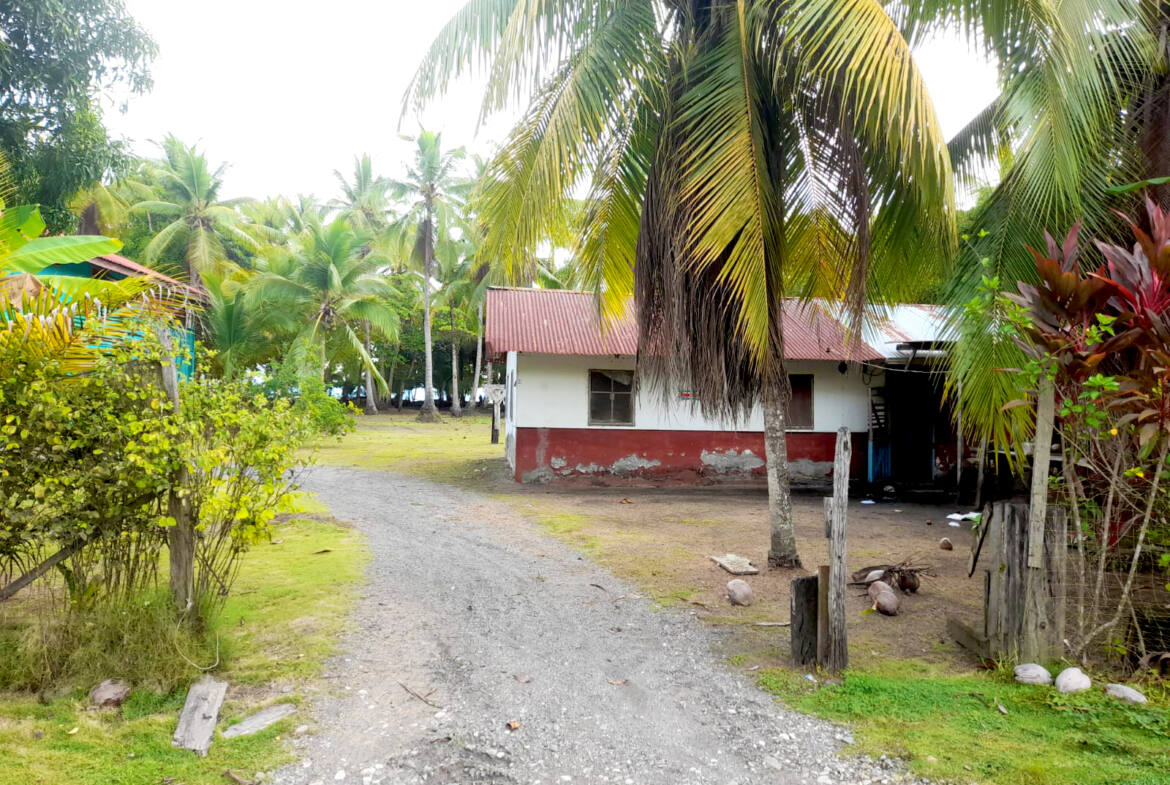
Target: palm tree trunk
point(428, 413)
point(782, 552)
point(777, 397)
point(456, 407)
point(371, 390)
point(478, 355)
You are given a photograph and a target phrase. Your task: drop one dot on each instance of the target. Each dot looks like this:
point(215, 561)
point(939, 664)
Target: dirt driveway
point(473, 619)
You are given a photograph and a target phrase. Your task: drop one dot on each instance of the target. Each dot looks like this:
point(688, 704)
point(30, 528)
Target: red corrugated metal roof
point(549, 321)
point(552, 321)
point(120, 264)
point(116, 263)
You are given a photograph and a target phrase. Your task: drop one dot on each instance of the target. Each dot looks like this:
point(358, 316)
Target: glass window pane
point(599, 407)
point(623, 408)
point(598, 381)
point(623, 381)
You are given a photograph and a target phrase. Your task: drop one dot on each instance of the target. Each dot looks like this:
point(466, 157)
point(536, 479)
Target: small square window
point(611, 397)
point(800, 408)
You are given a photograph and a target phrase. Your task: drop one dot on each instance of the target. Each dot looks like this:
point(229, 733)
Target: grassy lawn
point(281, 622)
point(911, 692)
point(457, 450)
point(950, 728)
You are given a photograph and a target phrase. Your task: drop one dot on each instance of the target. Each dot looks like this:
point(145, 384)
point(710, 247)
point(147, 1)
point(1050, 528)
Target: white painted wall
point(552, 391)
point(510, 411)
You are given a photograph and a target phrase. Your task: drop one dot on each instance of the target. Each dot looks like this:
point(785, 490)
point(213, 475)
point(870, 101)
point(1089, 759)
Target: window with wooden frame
point(800, 409)
point(611, 397)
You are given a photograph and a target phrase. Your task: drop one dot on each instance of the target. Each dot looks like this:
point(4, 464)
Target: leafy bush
point(322, 413)
point(1103, 338)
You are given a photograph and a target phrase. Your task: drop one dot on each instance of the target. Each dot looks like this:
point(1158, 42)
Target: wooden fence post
point(837, 654)
point(804, 626)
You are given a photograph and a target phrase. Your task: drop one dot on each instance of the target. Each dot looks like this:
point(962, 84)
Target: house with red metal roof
point(575, 408)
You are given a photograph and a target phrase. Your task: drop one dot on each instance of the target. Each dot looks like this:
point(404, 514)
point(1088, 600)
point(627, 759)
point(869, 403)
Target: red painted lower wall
point(544, 454)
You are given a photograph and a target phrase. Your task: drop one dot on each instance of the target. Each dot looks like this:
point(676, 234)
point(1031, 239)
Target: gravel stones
point(1031, 673)
point(1073, 680)
point(946, 544)
point(472, 605)
point(739, 592)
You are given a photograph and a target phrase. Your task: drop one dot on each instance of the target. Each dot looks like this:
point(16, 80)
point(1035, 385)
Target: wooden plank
point(838, 652)
point(1057, 550)
point(804, 620)
point(1041, 461)
point(736, 565)
point(822, 614)
point(260, 720)
point(968, 638)
point(200, 714)
point(977, 543)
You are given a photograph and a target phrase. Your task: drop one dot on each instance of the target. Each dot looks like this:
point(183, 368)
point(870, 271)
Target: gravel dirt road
point(473, 619)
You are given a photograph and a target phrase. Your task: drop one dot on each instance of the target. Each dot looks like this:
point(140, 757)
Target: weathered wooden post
point(837, 653)
point(181, 534)
point(495, 393)
point(1033, 643)
point(803, 624)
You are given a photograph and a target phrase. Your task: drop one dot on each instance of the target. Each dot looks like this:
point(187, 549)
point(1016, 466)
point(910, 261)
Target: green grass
point(949, 728)
point(457, 450)
point(283, 619)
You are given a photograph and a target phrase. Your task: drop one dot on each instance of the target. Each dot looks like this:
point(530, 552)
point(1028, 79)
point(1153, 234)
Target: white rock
point(1073, 680)
point(1031, 673)
point(1127, 694)
point(739, 592)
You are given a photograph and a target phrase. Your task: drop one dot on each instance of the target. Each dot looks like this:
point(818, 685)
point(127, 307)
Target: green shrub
point(133, 639)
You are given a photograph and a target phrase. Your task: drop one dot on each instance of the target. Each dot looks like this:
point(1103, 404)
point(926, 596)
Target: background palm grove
point(706, 158)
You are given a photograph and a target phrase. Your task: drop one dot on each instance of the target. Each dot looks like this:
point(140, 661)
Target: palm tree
point(325, 285)
point(432, 194)
point(366, 206)
point(199, 222)
point(739, 151)
point(364, 199)
point(232, 324)
point(1083, 110)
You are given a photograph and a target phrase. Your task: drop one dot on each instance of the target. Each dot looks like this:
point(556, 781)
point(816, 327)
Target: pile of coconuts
point(883, 581)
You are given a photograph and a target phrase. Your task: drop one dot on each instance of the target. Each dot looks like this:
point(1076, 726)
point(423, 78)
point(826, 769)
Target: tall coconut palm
point(365, 199)
point(738, 151)
point(199, 222)
point(431, 193)
point(366, 205)
point(326, 286)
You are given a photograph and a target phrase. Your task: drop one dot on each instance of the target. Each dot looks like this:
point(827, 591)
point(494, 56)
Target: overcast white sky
point(286, 91)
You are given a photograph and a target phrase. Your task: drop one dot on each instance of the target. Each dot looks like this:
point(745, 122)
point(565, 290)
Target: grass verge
point(283, 619)
point(456, 450)
point(949, 727)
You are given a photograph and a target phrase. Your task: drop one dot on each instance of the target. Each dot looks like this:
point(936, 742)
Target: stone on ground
point(945, 544)
point(736, 565)
point(1073, 680)
point(260, 720)
point(1124, 693)
point(1031, 673)
point(739, 592)
point(111, 693)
